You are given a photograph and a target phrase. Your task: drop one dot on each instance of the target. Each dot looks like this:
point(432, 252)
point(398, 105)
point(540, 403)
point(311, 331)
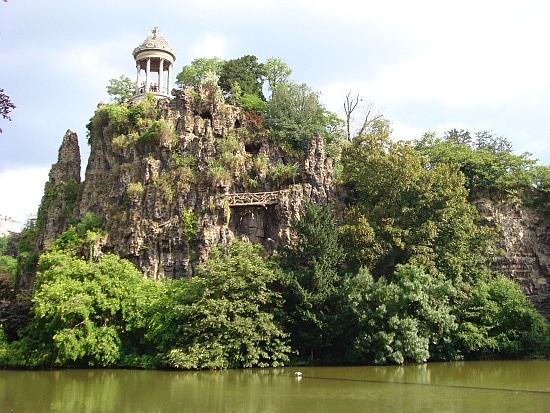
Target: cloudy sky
point(427, 65)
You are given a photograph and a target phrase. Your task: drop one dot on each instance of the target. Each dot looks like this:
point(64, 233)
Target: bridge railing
point(252, 198)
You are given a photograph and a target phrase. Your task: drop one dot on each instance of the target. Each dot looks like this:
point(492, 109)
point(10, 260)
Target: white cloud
point(210, 45)
point(21, 191)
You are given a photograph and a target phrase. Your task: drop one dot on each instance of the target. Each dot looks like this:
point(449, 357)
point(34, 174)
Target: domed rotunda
point(154, 59)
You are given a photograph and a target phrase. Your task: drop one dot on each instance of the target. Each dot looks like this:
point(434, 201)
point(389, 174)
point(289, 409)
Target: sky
point(426, 65)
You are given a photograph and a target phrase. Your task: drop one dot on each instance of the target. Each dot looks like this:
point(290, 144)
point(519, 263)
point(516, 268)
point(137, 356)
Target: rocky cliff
point(524, 238)
point(61, 191)
point(172, 178)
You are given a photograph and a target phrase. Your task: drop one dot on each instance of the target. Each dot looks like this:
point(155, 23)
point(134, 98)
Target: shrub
point(189, 224)
point(225, 316)
point(281, 173)
point(217, 174)
point(159, 132)
point(134, 189)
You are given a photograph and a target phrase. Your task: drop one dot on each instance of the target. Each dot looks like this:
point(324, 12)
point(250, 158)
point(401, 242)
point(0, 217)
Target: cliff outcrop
point(524, 239)
point(61, 191)
point(172, 178)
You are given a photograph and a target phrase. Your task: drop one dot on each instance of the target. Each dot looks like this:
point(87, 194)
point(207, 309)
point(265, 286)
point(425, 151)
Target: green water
point(504, 386)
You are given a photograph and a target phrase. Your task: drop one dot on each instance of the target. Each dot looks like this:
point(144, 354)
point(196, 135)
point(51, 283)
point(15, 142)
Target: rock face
point(61, 191)
point(197, 174)
point(524, 237)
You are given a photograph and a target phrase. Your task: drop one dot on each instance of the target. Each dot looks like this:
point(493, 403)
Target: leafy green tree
point(458, 137)
point(8, 264)
point(226, 316)
point(487, 162)
point(246, 72)
point(276, 72)
point(121, 89)
point(194, 73)
point(490, 142)
point(253, 103)
point(294, 115)
point(405, 210)
point(84, 313)
point(407, 319)
point(312, 264)
point(497, 318)
point(27, 255)
point(541, 188)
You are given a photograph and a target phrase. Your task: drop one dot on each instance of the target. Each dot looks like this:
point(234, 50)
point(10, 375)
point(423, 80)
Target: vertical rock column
point(60, 197)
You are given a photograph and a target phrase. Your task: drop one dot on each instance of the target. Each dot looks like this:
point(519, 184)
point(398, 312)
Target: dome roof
point(155, 42)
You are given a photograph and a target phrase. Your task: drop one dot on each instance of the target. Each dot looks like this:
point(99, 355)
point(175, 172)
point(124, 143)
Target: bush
point(85, 313)
point(497, 318)
point(226, 318)
point(407, 319)
point(281, 173)
point(159, 132)
point(134, 189)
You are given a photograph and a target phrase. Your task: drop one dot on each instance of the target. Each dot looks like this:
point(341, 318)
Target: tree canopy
point(313, 278)
point(246, 72)
point(231, 320)
point(486, 161)
point(121, 89)
point(404, 210)
point(194, 73)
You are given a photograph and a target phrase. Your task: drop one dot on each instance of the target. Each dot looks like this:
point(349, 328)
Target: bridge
point(243, 199)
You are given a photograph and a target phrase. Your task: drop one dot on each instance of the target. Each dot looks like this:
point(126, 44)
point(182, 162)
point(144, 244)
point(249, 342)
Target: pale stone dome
point(155, 42)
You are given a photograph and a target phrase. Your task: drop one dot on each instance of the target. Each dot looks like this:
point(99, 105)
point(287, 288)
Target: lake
point(488, 386)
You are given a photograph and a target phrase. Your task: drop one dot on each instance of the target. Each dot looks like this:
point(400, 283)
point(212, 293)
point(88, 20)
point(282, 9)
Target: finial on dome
point(155, 32)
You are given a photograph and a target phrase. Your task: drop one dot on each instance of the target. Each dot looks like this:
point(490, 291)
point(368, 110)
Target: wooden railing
point(252, 198)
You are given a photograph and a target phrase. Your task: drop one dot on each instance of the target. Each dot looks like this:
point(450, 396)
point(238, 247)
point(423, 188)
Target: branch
point(367, 122)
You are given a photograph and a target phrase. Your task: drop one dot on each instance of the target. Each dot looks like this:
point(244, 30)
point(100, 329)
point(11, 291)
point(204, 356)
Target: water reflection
point(510, 386)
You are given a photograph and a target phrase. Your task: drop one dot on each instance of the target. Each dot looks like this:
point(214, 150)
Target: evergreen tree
point(313, 278)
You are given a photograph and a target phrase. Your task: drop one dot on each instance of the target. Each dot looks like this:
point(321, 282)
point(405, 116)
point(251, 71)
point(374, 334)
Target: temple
point(155, 61)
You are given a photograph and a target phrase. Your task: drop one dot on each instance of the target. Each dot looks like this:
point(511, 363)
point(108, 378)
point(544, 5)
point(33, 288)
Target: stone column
point(169, 83)
point(161, 74)
point(138, 77)
point(147, 75)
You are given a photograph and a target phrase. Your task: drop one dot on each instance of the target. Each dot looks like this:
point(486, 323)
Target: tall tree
point(487, 162)
point(294, 114)
point(404, 209)
point(276, 72)
point(121, 89)
point(194, 73)
point(458, 137)
point(406, 319)
point(231, 320)
point(85, 313)
point(313, 277)
point(246, 72)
